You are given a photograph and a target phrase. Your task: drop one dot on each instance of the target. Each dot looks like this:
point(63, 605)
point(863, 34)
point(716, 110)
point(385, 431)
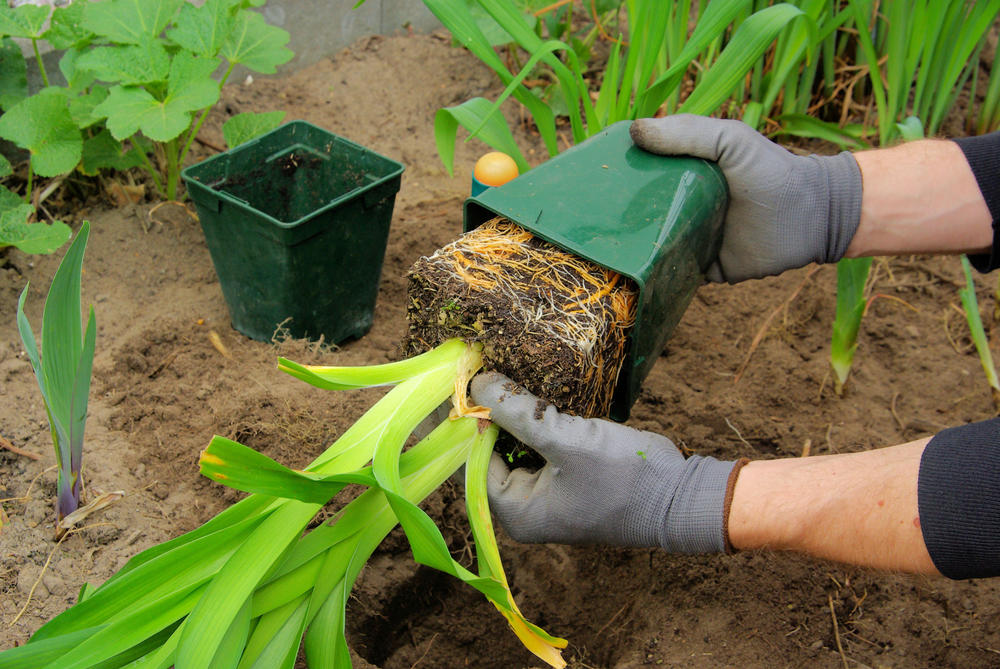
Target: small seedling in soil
point(852, 274)
point(975, 321)
point(63, 367)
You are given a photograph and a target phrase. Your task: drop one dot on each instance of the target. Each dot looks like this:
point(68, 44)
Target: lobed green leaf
point(41, 238)
point(66, 29)
point(13, 74)
point(255, 44)
point(128, 65)
point(129, 109)
point(129, 21)
point(25, 21)
point(103, 151)
point(42, 124)
point(245, 126)
point(203, 30)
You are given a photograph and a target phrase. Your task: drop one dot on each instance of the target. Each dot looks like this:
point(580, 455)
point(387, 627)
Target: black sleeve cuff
point(958, 497)
point(983, 154)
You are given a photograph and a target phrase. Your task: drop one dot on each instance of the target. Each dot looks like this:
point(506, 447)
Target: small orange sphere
point(495, 169)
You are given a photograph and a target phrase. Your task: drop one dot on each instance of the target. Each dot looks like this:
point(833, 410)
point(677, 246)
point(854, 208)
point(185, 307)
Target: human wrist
point(920, 197)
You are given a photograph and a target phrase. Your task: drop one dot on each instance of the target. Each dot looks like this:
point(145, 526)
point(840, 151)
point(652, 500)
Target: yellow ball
point(495, 169)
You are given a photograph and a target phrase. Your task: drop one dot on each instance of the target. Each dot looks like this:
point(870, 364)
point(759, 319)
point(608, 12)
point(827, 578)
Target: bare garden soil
point(162, 388)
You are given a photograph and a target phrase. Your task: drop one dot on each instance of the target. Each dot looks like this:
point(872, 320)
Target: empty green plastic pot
point(296, 222)
point(655, 219)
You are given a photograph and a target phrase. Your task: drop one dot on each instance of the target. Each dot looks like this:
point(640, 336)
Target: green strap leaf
point(40, 653)
point(852, 274)
point(247, 125)
point(331, 377)
point(237, 466)
point(228, 654)
point(803, 125)
point(255, 44)
point(42, 124)
point(276, 639)
point(129, 21)
point(472, 114)
point(971, 307)
point(234, 584)
point(464, 28)
point(748, 44)
point(182, 566)
point(430, 548)
point(711, 25)
point(157, 616)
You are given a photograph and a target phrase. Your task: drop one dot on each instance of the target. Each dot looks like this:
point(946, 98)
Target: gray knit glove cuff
point(683, 510)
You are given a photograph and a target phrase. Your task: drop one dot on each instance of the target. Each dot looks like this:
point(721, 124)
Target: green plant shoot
point(975, 321)
point(251, 586)
point(852, 275)
point(63, 367)
point(635, 83)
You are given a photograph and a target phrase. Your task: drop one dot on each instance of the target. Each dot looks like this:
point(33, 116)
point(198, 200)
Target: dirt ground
point(161, 390)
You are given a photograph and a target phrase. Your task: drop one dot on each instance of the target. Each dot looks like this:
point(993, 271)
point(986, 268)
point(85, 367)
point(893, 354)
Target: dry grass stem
point(7, 445)
point(836, 632)
point(762, 331)
point(48, 560)
point(892, 410)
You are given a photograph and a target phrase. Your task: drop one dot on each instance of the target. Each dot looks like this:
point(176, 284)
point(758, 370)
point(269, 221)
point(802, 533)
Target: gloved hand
point(603, 482)
point(785, 211)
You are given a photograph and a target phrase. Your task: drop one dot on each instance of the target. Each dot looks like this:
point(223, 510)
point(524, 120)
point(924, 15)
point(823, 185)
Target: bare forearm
point(858, 508)
point(920, 197)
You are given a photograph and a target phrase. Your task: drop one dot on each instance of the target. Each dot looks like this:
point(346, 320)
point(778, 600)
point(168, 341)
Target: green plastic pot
point(296, 222)
point(655, 219)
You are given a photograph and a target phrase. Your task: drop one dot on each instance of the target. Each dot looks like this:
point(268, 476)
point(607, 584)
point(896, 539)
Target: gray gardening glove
point(785, 211)
point(603, 482)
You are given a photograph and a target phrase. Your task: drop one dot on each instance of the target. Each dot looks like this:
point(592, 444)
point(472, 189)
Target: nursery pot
point(655, 219)
point(296, 222)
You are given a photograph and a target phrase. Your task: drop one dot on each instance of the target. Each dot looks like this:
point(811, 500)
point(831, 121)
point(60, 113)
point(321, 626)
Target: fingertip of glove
point(497, 473)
